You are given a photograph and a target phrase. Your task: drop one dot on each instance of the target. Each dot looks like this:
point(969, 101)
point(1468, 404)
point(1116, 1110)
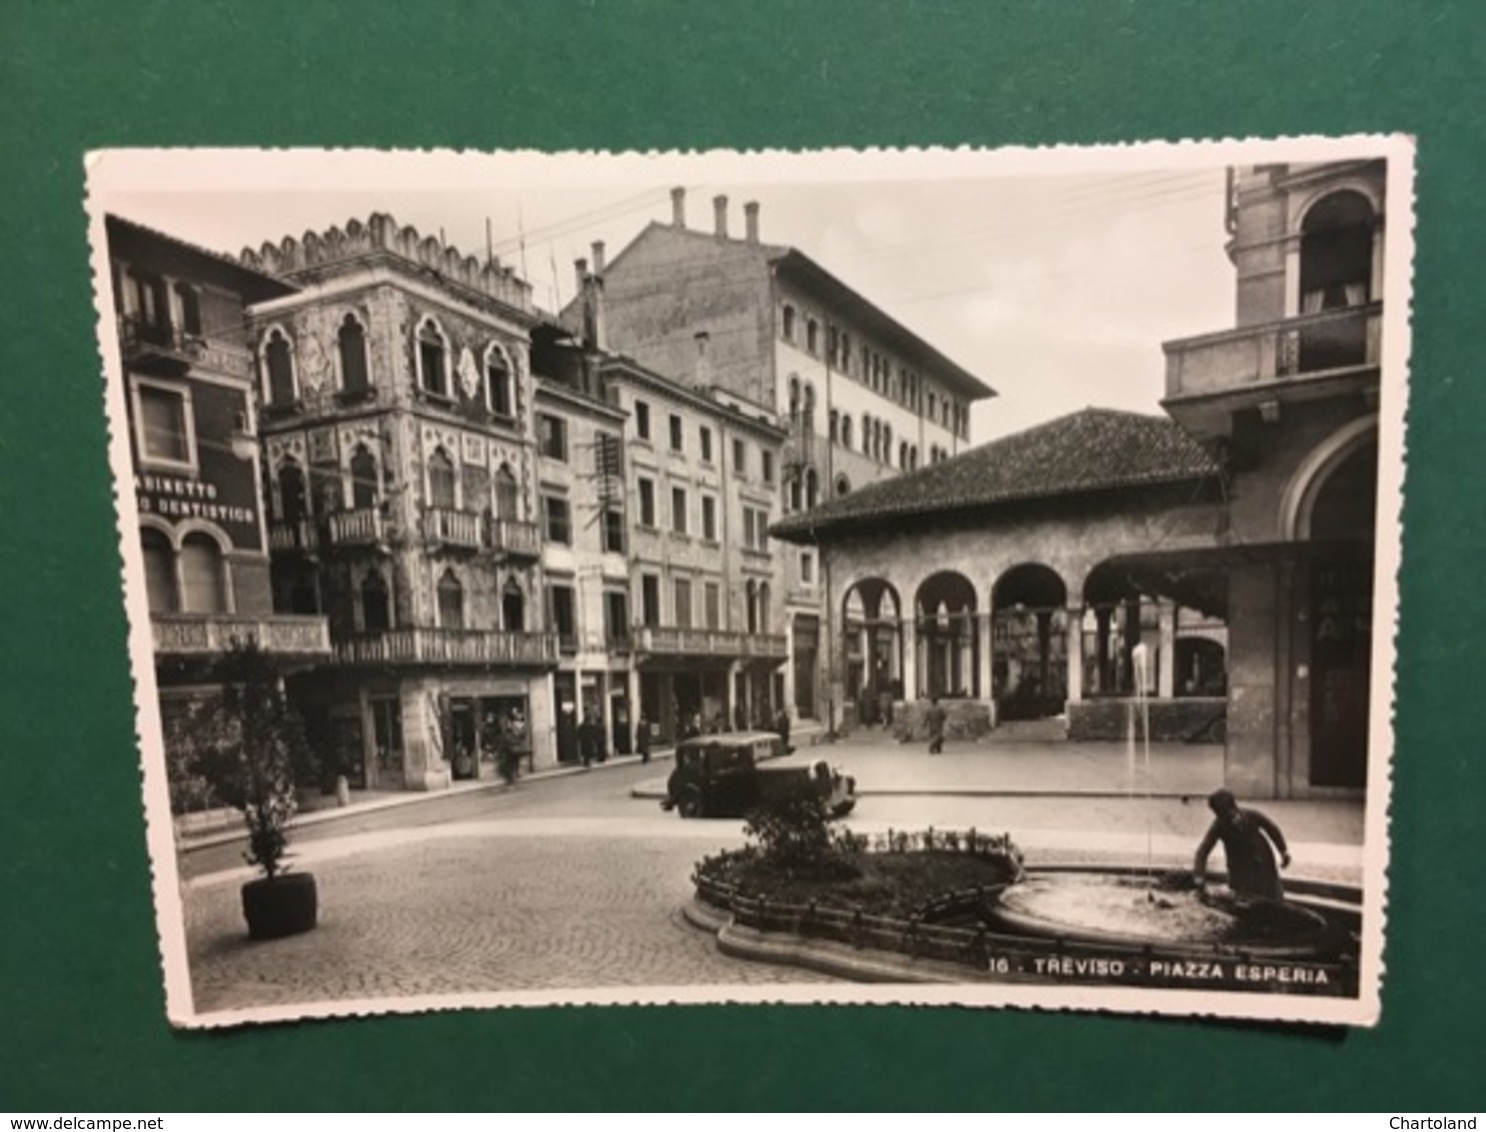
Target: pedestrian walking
point(934, 717)
point(642, 737)
point(1250, 840)
point(587, 747)
point(781, 725)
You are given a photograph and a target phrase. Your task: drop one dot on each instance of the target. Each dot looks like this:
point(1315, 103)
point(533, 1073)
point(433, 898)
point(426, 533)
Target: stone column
point(1166, 659)
point(1101, 638)
point(730, 695)
point(606, 709)
point(424, 767)
point(1075, 654)
point(908, 644)
point(986, 639)
point(1292, 276)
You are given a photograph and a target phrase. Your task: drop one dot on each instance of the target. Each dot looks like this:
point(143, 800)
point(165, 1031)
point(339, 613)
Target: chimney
point(704, 360)
point(720, 215)
point(580, 272)
point(678, 207)
point(750, 220)
point(598, 257)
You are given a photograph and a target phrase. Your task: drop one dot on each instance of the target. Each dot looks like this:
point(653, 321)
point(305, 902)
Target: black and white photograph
point(958, 578)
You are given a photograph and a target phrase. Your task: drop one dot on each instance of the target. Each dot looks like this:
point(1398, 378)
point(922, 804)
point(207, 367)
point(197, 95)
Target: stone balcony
point(361, 526)
point(1209, 375)
point(293, 535)
point(448, 647)
point(458, 529)
point(210, 634)
point(723, 644)
point(513, 538)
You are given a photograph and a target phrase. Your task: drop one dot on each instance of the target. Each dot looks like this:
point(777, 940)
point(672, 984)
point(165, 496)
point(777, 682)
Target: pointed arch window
point(292, 496)
point(364, 477)
point(507, 494)
point(376, 608)
point(499, 398)
point(278, 359)
point(513, 608)
point(351, 341)
point(812, 488)
point(442, 488)
point(451, 601)
point(433, 359)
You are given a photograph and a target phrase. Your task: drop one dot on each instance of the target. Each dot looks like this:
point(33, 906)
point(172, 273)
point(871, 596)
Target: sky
point(1053, 282)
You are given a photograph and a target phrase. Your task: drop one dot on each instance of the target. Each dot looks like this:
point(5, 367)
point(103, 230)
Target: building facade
point(188, 388)
point(1288, 401)
point(397, 408)
point(862, 397)
point(995, 580)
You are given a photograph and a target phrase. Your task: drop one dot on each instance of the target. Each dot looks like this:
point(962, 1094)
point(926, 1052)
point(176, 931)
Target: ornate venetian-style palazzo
point(397, 436)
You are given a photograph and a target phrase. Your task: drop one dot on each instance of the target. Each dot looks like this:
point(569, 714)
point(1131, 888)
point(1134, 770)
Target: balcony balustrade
point(675, 641)
point(293, 535)
point(359, 527)
point(448, 646)
point(1293, 348)
point(514, 538)
point(206, 634)
point(452, 528)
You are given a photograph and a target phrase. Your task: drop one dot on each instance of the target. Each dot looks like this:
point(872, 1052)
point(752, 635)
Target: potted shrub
point(252, 753)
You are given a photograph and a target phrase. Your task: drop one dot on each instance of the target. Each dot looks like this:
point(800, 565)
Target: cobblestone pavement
point(468, 914)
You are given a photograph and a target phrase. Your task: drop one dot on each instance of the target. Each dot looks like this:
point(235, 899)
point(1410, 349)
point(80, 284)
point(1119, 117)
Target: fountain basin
point(1130, 909)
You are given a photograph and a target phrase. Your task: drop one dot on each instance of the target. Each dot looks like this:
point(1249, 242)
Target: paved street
point(573, 881)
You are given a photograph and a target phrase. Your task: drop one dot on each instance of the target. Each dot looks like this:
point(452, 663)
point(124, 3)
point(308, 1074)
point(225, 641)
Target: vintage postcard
point(857, 577)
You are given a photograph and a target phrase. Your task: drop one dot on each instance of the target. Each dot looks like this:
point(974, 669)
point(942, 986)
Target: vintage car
point(721, 776)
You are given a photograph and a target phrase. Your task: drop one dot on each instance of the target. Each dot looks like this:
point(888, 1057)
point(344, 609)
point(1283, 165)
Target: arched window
point(442, 490)
point(351, 339)
point(866, 435)
point(812, 336)
point(794, 395)
point(887, 444)
point(507, 494)
point(278, 358)
point(1336, 253)
point(845, 431)
point(202, 578)
point(433, 359)
point(159, 571)
point(451, 601)
point(363, 478)
point(807, 401)
point(789, 323)
point(843, 485)
point(188, 302)
point(903, 454)
point(513, 608)
point(835, 425)
point(795, 489)
point(376, 609)
point(812, 488)
point(291, 492)
point(498, 394)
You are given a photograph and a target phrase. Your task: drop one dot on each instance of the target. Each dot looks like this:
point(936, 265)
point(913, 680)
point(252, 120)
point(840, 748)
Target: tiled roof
point(1088, 451)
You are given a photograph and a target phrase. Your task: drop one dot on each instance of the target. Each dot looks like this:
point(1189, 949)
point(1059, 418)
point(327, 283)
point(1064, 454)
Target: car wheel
point(690, 805)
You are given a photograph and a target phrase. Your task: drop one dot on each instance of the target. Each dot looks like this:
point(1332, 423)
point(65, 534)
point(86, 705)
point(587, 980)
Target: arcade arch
point(1029, 661)
point(947, 647)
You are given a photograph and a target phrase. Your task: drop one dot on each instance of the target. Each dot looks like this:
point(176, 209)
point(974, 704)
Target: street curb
point(320, 817)
point(659, 794)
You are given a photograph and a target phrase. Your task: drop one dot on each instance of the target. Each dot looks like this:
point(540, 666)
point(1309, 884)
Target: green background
point(80, 997)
